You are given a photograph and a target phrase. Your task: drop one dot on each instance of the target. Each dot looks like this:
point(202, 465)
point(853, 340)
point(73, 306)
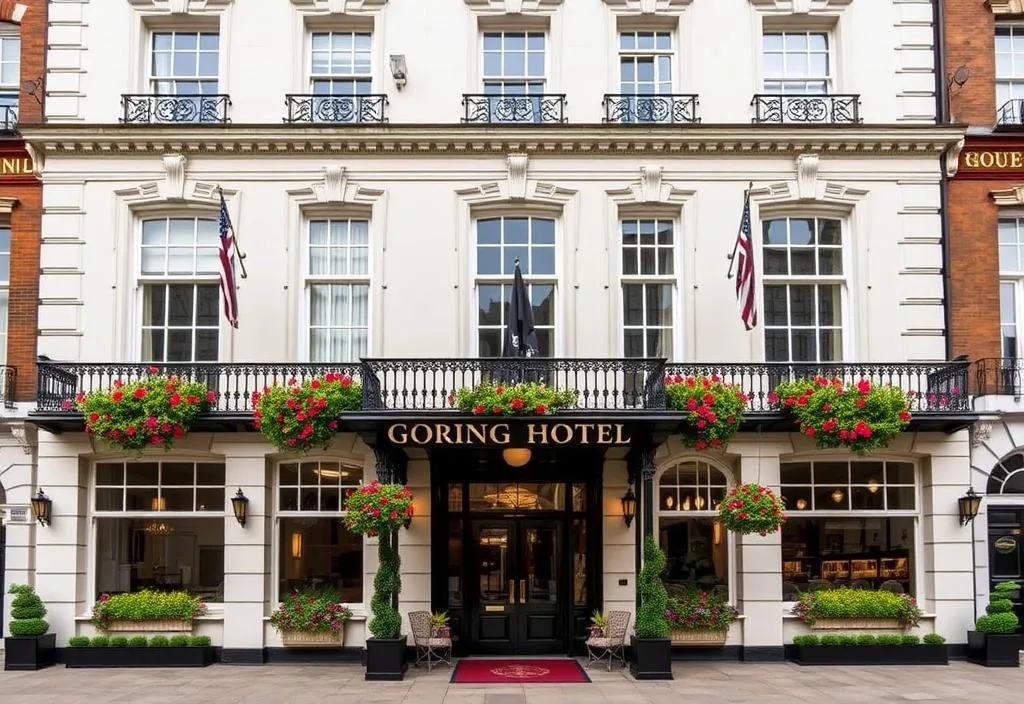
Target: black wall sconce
point(969, 504)
point(42, 508)
point(629, 506)
point(240, 505)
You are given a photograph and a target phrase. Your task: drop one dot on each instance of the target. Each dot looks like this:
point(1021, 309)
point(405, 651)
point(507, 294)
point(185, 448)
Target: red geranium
point(302, 416)
point(714, 409)
point(752, 508)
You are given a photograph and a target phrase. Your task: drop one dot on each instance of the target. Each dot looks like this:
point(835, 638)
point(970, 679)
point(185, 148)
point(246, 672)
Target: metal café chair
point(611, 645)
point(429, 647)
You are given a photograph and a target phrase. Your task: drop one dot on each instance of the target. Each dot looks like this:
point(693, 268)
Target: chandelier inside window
point(159, 528)
point(513, 496)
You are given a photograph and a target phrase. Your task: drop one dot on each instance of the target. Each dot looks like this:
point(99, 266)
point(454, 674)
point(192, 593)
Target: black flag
point(520, 334)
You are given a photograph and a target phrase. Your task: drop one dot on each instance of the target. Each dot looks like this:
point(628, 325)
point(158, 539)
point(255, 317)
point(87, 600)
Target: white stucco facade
point(423, 183)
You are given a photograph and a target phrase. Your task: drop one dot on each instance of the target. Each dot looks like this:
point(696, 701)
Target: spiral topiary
point(651, 618)
point(27, 612)
point(386, 622)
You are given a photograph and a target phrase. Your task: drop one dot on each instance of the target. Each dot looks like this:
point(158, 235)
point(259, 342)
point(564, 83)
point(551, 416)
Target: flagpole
point(234, 235)
point(736, 244)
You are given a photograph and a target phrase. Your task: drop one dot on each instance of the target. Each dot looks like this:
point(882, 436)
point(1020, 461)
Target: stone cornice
point(801, 7)
point(339, 7)
point(648, 7)
point(459, 140)
point(1006, 7)
point(180, 7)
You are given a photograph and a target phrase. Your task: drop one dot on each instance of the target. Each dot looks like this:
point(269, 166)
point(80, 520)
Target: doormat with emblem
point(516, 671)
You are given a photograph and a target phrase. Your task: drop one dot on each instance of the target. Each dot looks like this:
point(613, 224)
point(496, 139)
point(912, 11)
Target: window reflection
point(697, 553)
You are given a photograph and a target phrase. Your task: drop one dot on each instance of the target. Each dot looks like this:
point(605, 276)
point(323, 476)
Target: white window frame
point(152, 80)
point(828, 79)
point(310, 280)
point(636, 54)
point(10, 93)
point(917, 554)
point(358, 608)
point(530, 279)
point(525, 77)
point(842, 281)
point(194, 279)
point(215, 610)
point(356, 78)
point(1009, 87)
point(651, 279)
point(1009, 277)
point(708, 512)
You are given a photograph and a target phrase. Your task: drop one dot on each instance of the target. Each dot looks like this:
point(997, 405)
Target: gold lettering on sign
point(499, 434)
point(619, 438)
point(397, 434)
point(475, 431)
point(971, 160)
point(604, 434)
point(421, 434)
point(986, 159)
point(443, 433)
point(537, 434)
point(561, 434)
point(989, 159)
point(503, 434)
point(15, 166)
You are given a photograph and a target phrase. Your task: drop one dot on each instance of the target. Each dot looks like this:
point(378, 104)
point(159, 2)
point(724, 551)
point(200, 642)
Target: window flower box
point(699, 638)
point(302, 639)
point(156, 626)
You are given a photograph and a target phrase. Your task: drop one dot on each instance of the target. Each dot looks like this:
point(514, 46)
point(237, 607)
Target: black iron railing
point(528, 109)
point(933, 388)
point(427, 384)
point(8, 385)
point(806, 109)
point(998, 376)
point(650, 109)
point(1011, 113)
point(336, 109)
point(161, 109)
point(8, 120)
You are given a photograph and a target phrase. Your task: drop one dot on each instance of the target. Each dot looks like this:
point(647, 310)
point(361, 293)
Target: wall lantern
point(969, 505)
point(42, 508)
point(297, 545)
point(240, 505)
point(516, 456)
point(629, 506)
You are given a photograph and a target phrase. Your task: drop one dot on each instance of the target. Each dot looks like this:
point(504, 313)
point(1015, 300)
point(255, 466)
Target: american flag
point(227, 264)
point(742, 267)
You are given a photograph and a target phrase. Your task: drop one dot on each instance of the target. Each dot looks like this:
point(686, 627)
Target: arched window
point(1007, 476)
point(689, 532)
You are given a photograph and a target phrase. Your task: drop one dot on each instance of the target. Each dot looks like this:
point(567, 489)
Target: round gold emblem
point(520, 672)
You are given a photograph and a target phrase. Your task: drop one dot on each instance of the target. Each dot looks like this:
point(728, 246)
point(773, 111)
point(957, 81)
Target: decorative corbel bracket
point(801, 7)
point(180, 7)
point(953, 158)
point(647, 7)
point(339, 7)
point(807, 176)
point(514, 7)
point(172, 188)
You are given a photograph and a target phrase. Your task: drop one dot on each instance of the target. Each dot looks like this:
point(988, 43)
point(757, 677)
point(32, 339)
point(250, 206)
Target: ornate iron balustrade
point(9, 120)
point(933, 388)
point(1011, 113)
point(806, 109)
point(161, 109)
point(998, 376)
point(8, 385)
point(650, 109)
point(526, 109)
point(336, 109)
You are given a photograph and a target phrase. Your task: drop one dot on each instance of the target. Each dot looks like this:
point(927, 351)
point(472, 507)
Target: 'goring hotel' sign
point(505, 435)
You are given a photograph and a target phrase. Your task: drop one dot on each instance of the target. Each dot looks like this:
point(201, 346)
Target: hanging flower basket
point(299, 417)
point(529, 399)
point(378, 509)
point(861, 416)
point(714, 409)
point(150, 412)
point(752, 508)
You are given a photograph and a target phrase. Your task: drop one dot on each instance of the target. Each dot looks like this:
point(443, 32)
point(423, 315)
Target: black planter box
point(385, 659)
point(30, 652)
point(187, 656)
point(872, 655)
point(994, 649)
point(651, 658)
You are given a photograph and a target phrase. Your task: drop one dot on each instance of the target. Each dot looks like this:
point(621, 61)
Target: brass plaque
point(489, 608)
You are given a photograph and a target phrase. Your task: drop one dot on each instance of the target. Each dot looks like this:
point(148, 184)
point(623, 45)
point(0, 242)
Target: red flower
point(904, 416)
point(700, 445)
point(315, 384)
point(478, 409)
point(116, 396)
point(93, 417)
point(864, 386)
point(211, 396)
point(140, 392)
point(500, 390)
point(709, 399)
point(496, 410)
point(826, 407)
point(540, 409)
point(517, 403)
point(175, 399)
point(860, 403)
point(154, 370)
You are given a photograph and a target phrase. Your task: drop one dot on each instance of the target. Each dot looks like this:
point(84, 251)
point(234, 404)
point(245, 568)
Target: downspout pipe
point(942, 117)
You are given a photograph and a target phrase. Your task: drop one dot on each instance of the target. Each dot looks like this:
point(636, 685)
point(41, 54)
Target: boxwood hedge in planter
point(159, 651)
point(852, 609)
point(147, 610)
point(868, 649)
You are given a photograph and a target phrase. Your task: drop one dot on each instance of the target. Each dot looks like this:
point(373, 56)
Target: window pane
point(697, 554)
point(319, 552)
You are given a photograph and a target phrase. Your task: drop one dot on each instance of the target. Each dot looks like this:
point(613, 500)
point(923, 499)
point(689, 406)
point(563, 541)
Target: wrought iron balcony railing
point(1011, 113)
point(336, 109)
point(8, 385)
point(651, 109)
point(998, 376)
point(603, 385)
point(8, 120)
point(806, 109)
point(163, 109)
point(514, 109)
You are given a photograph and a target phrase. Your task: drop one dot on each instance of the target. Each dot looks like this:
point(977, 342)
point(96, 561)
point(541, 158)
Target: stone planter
point(857, 624)
point(300, 639)
point(651, 658)
point(994, 649)
point(138, 657)
point(699, 638)
point(150, 626)
point(385, 659)
point(30, 652)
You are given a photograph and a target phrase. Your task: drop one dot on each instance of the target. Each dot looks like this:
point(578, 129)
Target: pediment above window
point(514, 7)
point(174, 188)
point(181, 7)
point(807, 187)
point(1009, 197)
point(1006, 7)
point(335, 189)
point(647, 7)
point(801, 7)
point(517, 187)
point(650, 189)
point(339, 7)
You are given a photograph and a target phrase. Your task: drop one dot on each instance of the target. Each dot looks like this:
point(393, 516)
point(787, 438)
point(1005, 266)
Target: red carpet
point(517, 671)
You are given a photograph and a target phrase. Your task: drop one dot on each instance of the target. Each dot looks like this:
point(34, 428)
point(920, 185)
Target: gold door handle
point(511, 591)
point(522, 591)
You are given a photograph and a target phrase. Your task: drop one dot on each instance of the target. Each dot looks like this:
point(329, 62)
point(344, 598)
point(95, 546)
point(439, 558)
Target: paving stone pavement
point(695, 683)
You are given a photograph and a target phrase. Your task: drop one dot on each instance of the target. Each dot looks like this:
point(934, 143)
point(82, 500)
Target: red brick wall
point(970, 42)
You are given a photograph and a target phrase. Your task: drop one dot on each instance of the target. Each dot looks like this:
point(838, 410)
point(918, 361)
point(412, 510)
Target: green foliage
point(199, 641)
point(858, 603)
point(861, 416)
point(999, 614)
point(151, 411)
point(439, 619)
point(78, 641)
point(118, 642)
point(378, 509)
point(807, 640)
point(752, 508)
point(651, 618)
point(146, 605)
point(179, 641)
point(386, 622)
point(27, 611)
point(99, 642)
point(530, 399)
point(890, 639)
point(999, 606)
point(697, 610)
point(933, 639)
point(159, 642)
point(138, 642)
point(831, 640)
point(910, 640)
point(599, 619)
point(714, 409)
point(311, 611)
point(847, 640)
point(300, 417)
point(866, 639)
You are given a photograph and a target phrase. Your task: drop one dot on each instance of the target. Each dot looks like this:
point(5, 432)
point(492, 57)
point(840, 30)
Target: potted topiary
point(377, 511)
point(994, 642)
point(29, 647)
point(651, 646)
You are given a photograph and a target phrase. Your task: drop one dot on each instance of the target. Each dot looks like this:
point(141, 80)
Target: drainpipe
point(942, 118)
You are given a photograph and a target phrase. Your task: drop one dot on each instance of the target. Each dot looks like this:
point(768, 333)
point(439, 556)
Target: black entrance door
point(517, 591)
point(1005, 527)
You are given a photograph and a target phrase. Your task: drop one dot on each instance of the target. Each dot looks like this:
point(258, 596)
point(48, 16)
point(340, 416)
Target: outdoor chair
point(429, 647)
point(611, 645)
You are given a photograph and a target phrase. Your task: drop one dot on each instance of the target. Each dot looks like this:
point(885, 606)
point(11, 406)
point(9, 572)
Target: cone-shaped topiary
point(999, 615)
point(651, 618)
point(27, 612)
